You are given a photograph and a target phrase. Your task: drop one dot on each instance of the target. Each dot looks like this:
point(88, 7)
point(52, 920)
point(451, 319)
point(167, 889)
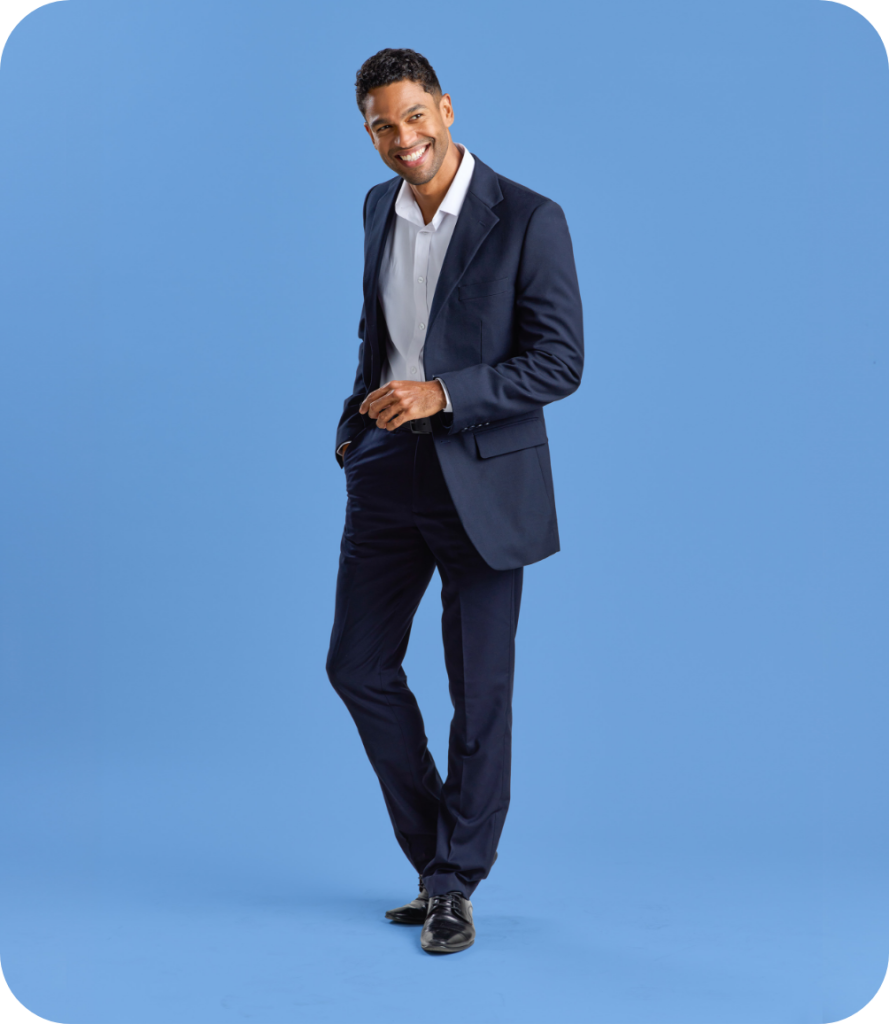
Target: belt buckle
point(421, 426)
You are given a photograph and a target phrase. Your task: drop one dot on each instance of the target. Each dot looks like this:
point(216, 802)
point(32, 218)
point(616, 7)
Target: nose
point(408, 138)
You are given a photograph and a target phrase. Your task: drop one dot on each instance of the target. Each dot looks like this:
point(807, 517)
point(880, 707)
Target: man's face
point(409, 129)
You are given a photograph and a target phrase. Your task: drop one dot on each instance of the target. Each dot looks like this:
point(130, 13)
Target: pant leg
point(385, 567)
point(480, 611)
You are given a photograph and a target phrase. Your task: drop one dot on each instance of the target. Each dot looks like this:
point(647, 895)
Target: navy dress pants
point(401, 525)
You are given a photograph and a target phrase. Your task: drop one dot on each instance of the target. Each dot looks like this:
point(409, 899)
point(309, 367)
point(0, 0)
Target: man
point(471, 324)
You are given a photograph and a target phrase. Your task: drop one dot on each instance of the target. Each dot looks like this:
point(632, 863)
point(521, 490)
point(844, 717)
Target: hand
point(403, 400)
point(345, 449)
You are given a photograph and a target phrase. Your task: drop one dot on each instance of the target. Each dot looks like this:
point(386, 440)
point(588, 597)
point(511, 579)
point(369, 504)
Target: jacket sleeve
point(351, 424)
point(549, 333)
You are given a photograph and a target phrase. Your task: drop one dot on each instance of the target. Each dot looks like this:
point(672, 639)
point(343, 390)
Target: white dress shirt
point(409, 272)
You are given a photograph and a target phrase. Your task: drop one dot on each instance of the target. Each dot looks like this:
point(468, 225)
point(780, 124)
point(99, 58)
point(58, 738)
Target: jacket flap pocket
point(480, 288)
point(511, 438)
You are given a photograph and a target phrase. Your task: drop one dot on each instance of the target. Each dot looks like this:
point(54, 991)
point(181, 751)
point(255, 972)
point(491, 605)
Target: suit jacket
point(505, 334)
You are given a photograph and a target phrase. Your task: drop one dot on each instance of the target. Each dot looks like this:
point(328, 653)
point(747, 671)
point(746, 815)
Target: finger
point(372, 397)
point(385, 404)
point(391, 410)
point(377, 413)
point(406, 410)
point(384, 400)
point(396, 421)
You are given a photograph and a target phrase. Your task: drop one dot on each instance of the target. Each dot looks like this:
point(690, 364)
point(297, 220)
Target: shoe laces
point(449, 902)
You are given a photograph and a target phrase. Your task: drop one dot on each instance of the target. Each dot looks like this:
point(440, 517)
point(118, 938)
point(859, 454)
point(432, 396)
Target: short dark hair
point(390, 66)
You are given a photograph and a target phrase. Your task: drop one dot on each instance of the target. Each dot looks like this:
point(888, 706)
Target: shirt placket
point(422, 250)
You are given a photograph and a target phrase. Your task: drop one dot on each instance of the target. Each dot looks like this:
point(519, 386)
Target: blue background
point(698, 831)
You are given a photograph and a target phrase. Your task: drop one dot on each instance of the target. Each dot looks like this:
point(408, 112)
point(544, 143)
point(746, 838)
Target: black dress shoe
point(448, 927)
point(413, 912)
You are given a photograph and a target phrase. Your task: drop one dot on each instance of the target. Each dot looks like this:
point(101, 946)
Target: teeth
point(414, 157)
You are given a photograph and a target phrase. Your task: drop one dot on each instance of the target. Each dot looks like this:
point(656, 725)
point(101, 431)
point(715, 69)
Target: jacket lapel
point(473, 226)
point(375, 235)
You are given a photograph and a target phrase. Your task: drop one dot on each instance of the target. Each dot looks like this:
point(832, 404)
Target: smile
point(414, 156)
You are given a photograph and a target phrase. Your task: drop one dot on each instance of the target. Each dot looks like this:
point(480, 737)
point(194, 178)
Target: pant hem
point(442, 882)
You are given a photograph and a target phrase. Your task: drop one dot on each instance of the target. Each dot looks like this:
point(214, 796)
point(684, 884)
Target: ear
point(446, 110)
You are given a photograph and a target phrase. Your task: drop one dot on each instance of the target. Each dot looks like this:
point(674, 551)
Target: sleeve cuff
point(448, 407)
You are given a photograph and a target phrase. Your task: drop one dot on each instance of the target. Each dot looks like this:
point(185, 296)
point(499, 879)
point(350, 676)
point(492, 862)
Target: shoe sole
point(406, 920)
point(453, 949)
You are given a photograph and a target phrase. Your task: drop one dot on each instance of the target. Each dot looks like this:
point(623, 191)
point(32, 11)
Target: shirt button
point(420, 279)
point(413, 369)
point(422, 327)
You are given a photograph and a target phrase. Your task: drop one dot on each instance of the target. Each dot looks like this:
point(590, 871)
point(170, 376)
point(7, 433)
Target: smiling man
point(471, 324)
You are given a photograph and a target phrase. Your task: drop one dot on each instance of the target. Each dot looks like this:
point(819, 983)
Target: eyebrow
point(410, 110)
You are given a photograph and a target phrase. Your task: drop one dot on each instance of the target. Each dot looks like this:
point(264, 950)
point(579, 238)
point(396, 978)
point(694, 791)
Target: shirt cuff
point(448, 407)
point(339, 450)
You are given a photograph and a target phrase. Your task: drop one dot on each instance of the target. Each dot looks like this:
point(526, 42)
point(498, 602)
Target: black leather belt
point(423, 426)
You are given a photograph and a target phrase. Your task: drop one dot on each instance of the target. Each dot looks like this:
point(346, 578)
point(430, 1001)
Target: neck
point(430, 195)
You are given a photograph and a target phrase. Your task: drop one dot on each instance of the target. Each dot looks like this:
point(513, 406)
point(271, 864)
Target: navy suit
point(472, 498)
point(505, 334)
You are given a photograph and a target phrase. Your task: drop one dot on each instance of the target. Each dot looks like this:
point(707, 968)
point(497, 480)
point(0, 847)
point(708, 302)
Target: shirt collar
point(406, 206)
